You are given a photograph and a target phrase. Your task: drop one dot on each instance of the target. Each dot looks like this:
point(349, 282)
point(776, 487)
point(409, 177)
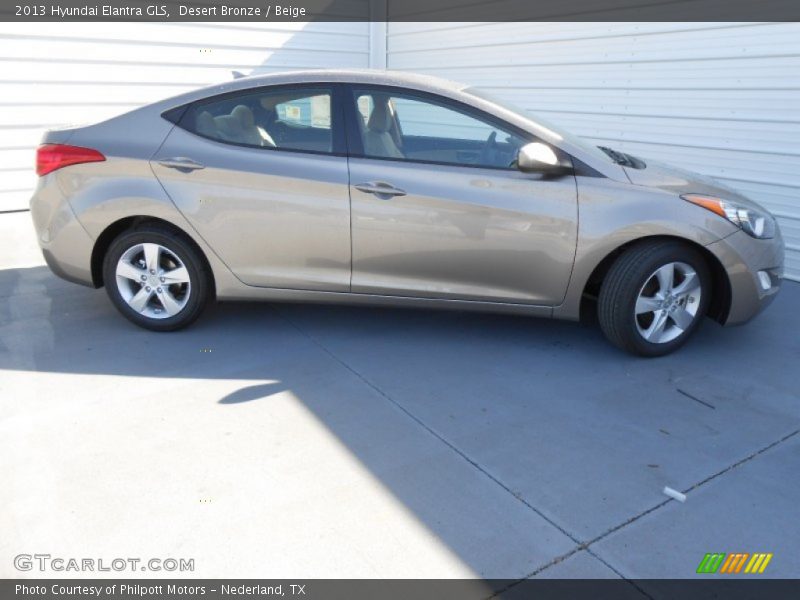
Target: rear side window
point(278, 119)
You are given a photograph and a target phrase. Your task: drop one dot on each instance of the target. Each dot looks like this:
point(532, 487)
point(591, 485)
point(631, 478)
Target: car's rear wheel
point(654, 297)
point(156, 278)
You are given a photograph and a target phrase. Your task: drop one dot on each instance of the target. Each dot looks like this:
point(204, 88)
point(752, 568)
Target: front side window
point(282, 119)
point(409, 127)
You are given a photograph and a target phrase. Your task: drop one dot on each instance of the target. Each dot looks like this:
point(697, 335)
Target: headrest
point(244, 115)
point(205, 125)
point(228, 125)
point(380, 121)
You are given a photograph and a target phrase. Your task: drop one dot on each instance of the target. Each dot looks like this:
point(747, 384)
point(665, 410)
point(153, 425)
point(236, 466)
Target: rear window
point(279, 119)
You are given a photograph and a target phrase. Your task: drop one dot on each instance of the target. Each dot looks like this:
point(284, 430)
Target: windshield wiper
point(617, 157)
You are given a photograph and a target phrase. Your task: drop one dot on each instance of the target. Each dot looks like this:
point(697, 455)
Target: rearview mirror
point(537, 157)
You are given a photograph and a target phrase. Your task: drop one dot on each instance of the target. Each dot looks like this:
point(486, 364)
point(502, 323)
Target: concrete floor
point(315, 441)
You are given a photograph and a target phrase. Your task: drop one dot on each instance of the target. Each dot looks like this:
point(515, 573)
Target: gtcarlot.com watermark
point(58, 564)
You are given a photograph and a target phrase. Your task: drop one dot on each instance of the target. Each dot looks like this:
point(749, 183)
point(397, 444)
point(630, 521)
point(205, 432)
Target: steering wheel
point(489, 154)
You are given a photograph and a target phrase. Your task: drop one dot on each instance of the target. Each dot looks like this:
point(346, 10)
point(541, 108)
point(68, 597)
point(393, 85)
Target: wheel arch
point(720, 303)
point(110, 233)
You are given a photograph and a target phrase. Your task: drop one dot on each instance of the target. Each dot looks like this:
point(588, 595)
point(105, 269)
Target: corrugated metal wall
point(53, 74)
point(722, 99)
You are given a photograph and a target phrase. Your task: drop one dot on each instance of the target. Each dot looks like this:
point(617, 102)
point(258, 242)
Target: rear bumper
point(65, 271)
point(751, 265)
point(66, 246)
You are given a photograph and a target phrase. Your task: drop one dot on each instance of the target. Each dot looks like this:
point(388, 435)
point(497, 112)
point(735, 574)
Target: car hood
point(682, 181)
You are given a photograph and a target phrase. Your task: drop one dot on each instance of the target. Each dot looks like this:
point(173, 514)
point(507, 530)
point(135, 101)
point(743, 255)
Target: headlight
point(757, 223)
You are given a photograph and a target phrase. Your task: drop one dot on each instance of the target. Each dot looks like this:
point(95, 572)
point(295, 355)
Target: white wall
point(53, 74)
point(722, 99)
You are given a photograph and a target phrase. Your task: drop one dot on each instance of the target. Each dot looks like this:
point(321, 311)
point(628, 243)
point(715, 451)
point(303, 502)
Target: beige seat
point(378, 140)
point(240, 127)
point(228, 128)
point(251, 133)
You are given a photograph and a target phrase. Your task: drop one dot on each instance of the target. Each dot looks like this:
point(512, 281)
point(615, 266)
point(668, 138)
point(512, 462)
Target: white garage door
point(53, 74)
point(722, 99)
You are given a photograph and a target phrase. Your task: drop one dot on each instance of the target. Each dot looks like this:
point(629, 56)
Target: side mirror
point(537, 157)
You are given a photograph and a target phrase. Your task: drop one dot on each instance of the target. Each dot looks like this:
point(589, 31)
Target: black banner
point(720, 587)
point(400, 10)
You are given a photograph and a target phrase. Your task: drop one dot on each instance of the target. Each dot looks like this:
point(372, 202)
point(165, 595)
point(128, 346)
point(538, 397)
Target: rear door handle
point(181, 163)
point(379, 188)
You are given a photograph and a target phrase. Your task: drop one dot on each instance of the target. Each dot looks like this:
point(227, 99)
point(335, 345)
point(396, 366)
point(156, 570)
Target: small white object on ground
point(675, 494)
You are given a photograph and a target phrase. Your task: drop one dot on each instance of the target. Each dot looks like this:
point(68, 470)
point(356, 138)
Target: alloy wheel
point(668, 302)
point(153, 280)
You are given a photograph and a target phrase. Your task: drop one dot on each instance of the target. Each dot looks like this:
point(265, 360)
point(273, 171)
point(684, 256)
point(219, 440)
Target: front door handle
point(181, 163)
point(379, 188)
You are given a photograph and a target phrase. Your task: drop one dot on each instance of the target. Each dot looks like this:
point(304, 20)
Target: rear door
point(262, 176)
point(439, 210)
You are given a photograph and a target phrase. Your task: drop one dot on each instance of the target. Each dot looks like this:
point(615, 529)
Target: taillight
point(50, 157)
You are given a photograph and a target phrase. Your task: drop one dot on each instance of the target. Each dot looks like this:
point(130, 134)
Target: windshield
point(553, 129)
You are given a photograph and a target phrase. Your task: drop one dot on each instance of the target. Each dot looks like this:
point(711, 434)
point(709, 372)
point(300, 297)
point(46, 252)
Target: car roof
point(365, 76)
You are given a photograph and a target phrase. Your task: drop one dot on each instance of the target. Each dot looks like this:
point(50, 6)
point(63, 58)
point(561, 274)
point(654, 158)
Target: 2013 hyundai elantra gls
point(394, 189)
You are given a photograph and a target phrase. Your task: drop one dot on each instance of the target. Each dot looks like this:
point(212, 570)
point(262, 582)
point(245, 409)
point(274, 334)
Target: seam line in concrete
point(586, 545)
point(619, 574)
point(564, 557)
point(742, 461)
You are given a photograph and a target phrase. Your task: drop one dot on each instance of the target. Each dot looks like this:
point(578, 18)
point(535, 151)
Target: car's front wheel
point(156, 278)
point(654, 297)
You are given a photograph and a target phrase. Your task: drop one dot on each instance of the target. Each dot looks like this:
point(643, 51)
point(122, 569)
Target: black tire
point(627, 278)
point(196, 293)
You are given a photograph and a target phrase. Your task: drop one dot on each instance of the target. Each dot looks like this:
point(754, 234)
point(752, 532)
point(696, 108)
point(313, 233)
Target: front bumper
point(743, 257)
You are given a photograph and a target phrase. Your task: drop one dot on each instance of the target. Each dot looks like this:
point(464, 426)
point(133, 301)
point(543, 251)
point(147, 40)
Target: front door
point(439, 210)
